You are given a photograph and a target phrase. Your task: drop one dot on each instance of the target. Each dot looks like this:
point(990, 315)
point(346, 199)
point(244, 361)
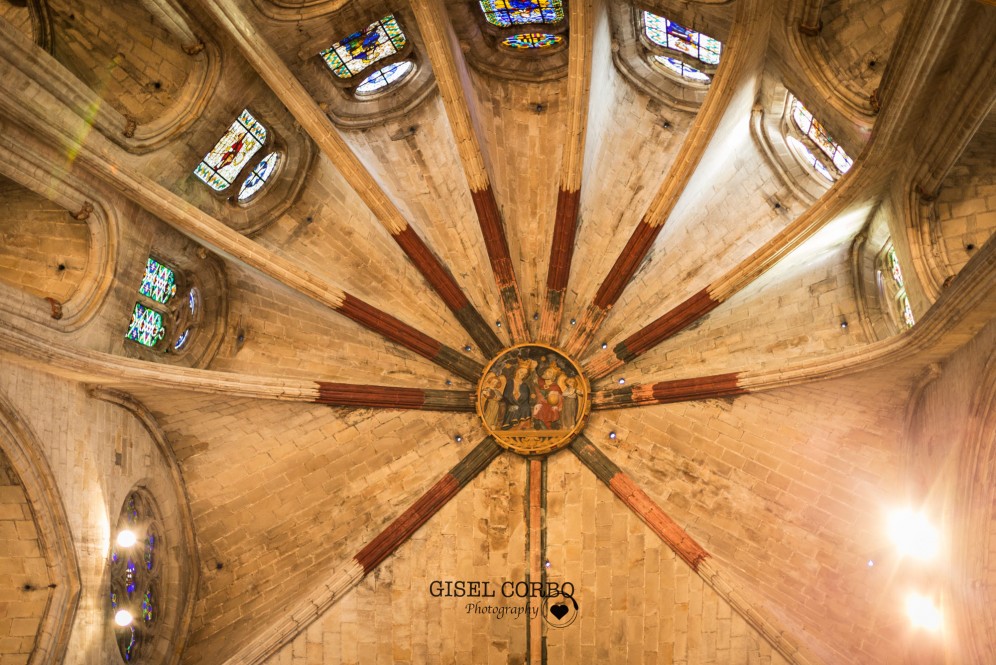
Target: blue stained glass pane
point(131, 509)
point(114, 600)
point(531, 40)
point(192, 300)
point(506, 13)
point(354, 53)
point(146, 326)
point(259, 176)
point(384, 77)
point(150, 544)
point(181, 340)
point(683, 70)
point(159, 282)
point(668, 34)
point(222, 165)
point(131, 641)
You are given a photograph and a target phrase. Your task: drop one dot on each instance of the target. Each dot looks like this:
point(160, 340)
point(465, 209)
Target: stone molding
point(54, 534)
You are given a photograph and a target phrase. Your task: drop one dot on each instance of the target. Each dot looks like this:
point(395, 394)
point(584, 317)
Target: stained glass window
point(354, 53)
point(159, 282)
point(134, 575)
point(222, 165)
point(384, 77)
point(682, 70)
point(506, 13)
point(532, 40)
point(812, 128)
point(810, 158)
point(259, 176)
point(892, 272)
point(147, 327)
point(668, 34)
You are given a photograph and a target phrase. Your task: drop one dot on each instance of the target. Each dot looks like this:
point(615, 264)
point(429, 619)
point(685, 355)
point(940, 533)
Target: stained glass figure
point(812, 128)
point(159, 282)
point(147, 327)
point(682, 70)
point(134, 577)
point(668, 34)
point(893, 262)
point(354, 53)
point(259, 175)
point(384, 77)
point(506, 13)
point(531, 40)
point(222, 165)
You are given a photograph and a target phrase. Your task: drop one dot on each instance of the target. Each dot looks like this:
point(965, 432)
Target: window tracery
point(135, 576)
point(673, 46)
point(893, 287)
point(835, 161)
point(158, 320)
point(383, 41)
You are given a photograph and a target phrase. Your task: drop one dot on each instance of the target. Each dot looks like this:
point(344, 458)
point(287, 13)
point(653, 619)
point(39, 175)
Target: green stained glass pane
point(354, 53)
point(532, 41)
point(159, 282)
point(146, 326)
point(222, 165)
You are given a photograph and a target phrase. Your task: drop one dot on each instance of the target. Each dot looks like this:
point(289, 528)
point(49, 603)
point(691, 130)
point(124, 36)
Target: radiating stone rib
point(450, 71)
point(108, 370)
point(963, 309)
point(267, 63)
point(742, 56)
point(582, 20)
point(683, 545)
point(367, 559)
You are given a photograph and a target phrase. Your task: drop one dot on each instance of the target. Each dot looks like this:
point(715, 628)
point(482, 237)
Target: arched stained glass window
point(134, 576)
point(354, 53)
point(159, 282)
point(668, 34)
point(896, 288)
point(810, 159)
point(220, 167)
point(506, 13)
point(814, 130)
point(532, 40)
point(384, 77)
point(682, 70)
point(259, 176)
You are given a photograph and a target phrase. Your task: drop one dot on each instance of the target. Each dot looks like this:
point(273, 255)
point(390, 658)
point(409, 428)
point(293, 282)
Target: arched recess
point(178, 581)
point(947, 229)
point(55, 538)
point(633, 59)
point(76, 212)
point(481, 42)
point(298, 10)
point(139, 103)
point(336, 96)
point(844, 47)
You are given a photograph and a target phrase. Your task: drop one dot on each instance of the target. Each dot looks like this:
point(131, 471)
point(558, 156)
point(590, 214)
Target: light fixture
point(913, 534)
point(123, 618)
point(612, 435)
point(126, 538)
point(922, 612)
point(622, 381)
point(605, 345)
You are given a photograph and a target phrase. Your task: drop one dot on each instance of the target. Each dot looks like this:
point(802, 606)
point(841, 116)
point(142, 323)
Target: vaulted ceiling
point(754, 393)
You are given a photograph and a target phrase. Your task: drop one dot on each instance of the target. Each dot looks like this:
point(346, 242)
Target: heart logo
point(558, 610)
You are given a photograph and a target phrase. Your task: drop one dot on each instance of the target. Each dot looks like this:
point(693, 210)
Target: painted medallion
point(533, 399)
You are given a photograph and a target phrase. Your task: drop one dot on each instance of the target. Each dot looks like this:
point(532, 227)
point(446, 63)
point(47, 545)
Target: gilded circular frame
point(533, 399)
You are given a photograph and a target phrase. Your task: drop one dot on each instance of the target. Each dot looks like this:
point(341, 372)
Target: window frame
point(231, 193)
point(178, 316)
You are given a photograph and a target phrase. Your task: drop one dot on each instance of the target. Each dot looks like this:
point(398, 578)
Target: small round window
point(259, 176)
point(385, 76)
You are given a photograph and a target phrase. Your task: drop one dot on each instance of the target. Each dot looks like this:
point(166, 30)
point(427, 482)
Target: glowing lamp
point(126, 538)
point(913, 534)
point(123, 618)
point(922, 612)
